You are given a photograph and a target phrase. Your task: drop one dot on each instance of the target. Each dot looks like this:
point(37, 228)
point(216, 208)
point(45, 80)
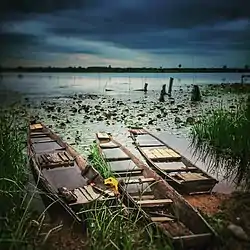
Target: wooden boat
point(180, 172)
point(159, 203)
point(63, 174)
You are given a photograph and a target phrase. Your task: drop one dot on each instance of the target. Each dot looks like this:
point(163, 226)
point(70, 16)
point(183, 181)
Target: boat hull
point(197, 232)
point(180, 172)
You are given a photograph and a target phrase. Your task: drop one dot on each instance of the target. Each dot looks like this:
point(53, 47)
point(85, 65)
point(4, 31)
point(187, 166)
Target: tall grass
point(117, 230)
point(223, 139)
point(18, 229)
point(121, 228)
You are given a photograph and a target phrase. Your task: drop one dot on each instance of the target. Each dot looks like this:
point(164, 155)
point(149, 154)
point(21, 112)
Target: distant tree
point(109, 66)
point(224, 67)
point(179, 66)
point(246, 66)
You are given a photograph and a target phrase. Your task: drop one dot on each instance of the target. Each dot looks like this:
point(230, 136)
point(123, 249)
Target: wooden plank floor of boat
point(69, 177)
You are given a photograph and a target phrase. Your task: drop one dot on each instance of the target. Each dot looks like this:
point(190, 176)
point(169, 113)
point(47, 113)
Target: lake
point(65, 84)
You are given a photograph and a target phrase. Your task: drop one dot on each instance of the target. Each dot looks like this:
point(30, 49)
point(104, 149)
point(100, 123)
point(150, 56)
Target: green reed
point(223, 140)
point(99, 162)
point(117, 229)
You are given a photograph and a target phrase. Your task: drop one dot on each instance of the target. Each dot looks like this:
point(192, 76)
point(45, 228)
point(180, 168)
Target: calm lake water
point(65, 84)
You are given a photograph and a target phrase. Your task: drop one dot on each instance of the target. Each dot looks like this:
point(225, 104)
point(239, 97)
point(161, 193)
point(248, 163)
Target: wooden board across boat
point(159, 203)
point(180, 172)
point(63, 174)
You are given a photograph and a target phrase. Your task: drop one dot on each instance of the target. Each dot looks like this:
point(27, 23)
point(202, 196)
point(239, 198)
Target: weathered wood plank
point(113, 154)
point(157, 153)
point(68, 156)
point(143, 180)
point(102, 136)
point(143, 197)
point(164, 152)
point(148, 153)
point(108, 144)
point(176, 166)
point(36, 126)
point(161, 219)
point(191, 176)
point(154, 202)
point(63, 156)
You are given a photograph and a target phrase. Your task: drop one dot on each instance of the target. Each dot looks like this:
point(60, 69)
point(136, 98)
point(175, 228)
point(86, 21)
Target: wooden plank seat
point(138, 131)
point(44, 140)
point(128, 173)
point(38, 134)
point(103, 136)
point(152, 203)
point(139, 180)
point(191, 176)
point(173, 166)
point(106, 192)
point(86, 194)
point(37, 126)
point(159, 153)
point(108, 144)
point(55, 159)
point(161, 219)
point(143, 197)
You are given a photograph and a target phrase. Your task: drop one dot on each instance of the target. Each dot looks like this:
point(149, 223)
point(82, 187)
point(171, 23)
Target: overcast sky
point(126, 33)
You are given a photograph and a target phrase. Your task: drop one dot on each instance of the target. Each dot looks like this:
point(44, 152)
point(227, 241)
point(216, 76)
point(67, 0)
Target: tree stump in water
point(196, 94)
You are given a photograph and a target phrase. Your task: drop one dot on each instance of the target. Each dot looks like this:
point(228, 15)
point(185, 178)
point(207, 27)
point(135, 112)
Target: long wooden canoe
point(63, 174)
point(180, 172)
point(151, 194)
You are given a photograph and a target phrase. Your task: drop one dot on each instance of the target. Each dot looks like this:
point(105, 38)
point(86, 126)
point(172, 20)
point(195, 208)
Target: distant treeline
point(125, 70)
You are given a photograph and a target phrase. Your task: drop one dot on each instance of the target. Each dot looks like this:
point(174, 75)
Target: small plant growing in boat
point(99, 163)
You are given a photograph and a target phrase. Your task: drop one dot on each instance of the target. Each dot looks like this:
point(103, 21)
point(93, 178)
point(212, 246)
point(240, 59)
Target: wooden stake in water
point(164, 89)
point(145, 87)
point(162, 99)
point(195, 94)
point(171, 80)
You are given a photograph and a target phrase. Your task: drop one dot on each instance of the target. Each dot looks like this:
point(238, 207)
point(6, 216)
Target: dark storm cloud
point(118, 17)
point(12, 44)
point(20, 7)
point(156, 26)
point(21, 44)
point(143, 26)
